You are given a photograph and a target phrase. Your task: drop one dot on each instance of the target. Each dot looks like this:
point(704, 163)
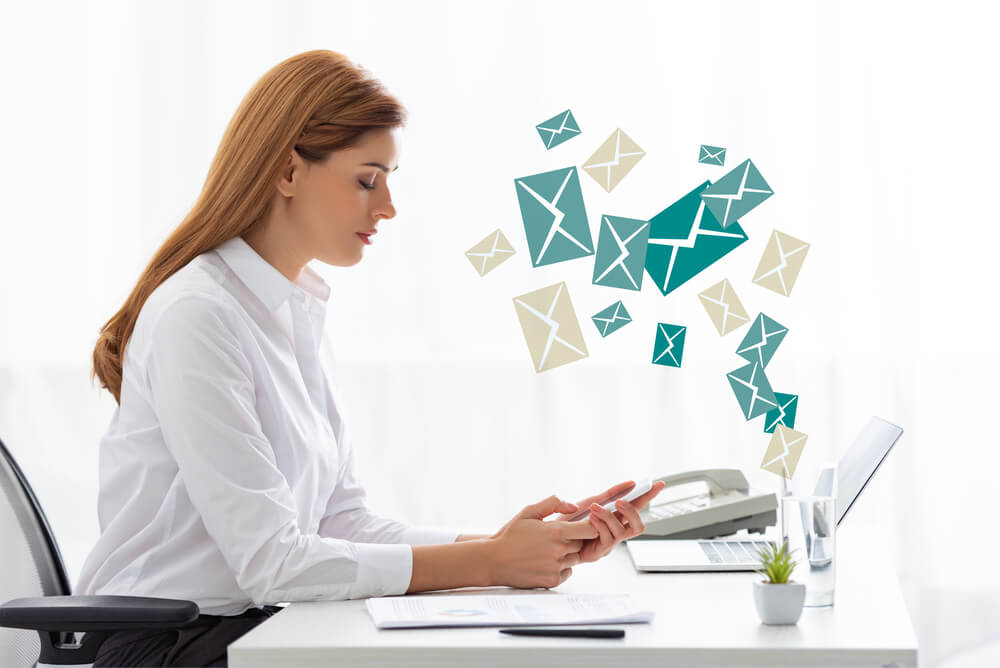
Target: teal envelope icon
point(555, 220)
point(712, 155)
point(762, 340)
point(621, 252)
point(736, 193)
point(558, 129)
point(611, 319)
point(752, 390)
point(784, 414)
point(684, 240)
point(668, 349)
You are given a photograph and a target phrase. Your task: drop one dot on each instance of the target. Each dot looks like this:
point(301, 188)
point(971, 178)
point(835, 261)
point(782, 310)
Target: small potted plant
point(778, 600)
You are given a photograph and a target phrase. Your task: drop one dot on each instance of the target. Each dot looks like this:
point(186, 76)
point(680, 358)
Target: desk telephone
point(728, 506)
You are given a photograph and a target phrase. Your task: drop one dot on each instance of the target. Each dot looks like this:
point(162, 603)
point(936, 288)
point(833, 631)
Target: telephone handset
point(728, 506)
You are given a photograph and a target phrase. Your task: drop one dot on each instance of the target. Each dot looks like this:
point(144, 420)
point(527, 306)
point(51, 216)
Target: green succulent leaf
point(776, 562)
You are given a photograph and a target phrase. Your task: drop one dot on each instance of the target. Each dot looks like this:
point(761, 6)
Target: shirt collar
point(266, 282)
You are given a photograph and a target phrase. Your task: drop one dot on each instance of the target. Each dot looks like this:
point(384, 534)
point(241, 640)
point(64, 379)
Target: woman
point(225, 477)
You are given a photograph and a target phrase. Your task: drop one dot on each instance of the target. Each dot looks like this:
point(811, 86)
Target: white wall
point(875, 123)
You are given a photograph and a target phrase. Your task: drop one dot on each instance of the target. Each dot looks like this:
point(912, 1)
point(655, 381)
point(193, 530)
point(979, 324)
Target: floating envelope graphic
point(490, 252)
point(558, 129)
point(555, 220)
point(668, 348)
point(724, 307)
point(613, 159)
point(752, 390)
point(621, 252)
point(684, 240)
point(611, 319)
point(784, 414)
point(784, 451)
point(761, 340)
point(736, 193)
point(550, 327)
point(781, 262)
point(712, 155)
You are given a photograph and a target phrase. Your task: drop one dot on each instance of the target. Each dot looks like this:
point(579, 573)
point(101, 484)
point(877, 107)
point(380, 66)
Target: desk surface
point(704, 619)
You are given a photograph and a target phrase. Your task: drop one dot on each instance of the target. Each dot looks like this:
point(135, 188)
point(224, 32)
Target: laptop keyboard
point(731, 551)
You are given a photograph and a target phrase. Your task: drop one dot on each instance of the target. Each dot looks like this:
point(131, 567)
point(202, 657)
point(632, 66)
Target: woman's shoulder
point(190, 298)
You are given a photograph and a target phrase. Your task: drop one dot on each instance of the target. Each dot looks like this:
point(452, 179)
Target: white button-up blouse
point(225, 474)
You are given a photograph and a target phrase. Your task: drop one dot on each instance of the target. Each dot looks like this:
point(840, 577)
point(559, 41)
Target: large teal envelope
point(611, 319)
point(736, 193)
point(684, 240)
point(621, 252)
point(558, 129)
point(668, 349)
point(784, 414)
point(762, 340)
point(752, 390)
point(555, 220)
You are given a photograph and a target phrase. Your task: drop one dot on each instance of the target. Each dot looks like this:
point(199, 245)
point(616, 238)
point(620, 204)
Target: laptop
point(854, 470)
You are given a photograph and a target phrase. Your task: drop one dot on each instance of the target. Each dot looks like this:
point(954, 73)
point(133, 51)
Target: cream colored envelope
point(490, 252)
point(724, 307)
point(613, 159)
point(781, 262)
point(784, 451)
point(550, 327)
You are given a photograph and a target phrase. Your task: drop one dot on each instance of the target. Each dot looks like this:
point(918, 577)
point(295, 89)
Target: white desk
point(703, 619)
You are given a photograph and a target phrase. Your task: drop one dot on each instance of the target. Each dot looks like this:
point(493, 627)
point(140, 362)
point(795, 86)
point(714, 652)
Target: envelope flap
point(678, 219)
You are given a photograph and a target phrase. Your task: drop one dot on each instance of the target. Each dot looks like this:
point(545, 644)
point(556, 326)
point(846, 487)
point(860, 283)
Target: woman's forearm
point(451, 565)
point(470, 536)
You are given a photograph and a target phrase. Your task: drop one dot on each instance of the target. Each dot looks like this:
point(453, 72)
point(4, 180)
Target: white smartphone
point(640, 488)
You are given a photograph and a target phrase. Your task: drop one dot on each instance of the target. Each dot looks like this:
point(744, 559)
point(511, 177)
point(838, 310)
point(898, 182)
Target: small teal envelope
point(558, 129)
point(753, 391)
point(684, 240)
point(712, 155)
point(761, 340)
point(784, 414)
point(736, 193)
point(668, 349)
point(621, 252)
point(611, 319)
point(555, 220)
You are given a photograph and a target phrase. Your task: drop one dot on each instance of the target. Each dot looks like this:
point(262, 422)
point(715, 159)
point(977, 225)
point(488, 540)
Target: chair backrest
point(31, 564)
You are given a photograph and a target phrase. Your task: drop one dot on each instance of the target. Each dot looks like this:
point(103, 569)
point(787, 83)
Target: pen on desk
point(565, 632)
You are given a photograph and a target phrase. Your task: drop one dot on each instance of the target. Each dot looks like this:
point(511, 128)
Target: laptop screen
point(860, 462)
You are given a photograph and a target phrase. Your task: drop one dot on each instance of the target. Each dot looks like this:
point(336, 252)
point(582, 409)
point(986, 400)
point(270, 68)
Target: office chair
point(44, 624)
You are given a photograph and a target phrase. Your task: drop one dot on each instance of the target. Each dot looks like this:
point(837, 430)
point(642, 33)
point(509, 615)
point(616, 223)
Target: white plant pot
point(779, 603)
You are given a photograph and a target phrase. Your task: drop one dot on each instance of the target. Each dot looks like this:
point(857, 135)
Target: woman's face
point(338, 204)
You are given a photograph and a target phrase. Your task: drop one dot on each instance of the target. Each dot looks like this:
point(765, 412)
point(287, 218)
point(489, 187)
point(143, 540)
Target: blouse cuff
point(384, 569)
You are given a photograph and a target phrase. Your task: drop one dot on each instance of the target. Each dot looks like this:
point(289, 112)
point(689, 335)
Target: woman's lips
point(365, 238)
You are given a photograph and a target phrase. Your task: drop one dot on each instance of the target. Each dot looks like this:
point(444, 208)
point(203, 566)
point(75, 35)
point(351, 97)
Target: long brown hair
point(316, 102)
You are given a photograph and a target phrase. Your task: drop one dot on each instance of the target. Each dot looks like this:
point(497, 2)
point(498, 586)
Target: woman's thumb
point(546, 507)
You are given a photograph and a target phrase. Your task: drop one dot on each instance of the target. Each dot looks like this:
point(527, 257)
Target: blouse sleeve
point(348, 515)
point(202, 391)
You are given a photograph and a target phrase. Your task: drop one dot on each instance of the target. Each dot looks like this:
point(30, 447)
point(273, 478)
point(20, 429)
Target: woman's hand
point(528, 552)
point(614, 527)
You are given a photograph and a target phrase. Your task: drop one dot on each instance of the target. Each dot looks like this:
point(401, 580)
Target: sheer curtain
point(874, 124)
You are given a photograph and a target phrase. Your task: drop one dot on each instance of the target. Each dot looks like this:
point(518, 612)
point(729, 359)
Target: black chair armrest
point(96, 613)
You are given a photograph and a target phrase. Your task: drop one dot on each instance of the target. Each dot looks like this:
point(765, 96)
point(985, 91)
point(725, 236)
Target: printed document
point(394, 612)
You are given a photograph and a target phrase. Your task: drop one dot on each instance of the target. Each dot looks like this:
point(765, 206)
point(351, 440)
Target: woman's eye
point(366, 185)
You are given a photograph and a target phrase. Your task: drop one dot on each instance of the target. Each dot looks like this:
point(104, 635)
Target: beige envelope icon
point(781, 262)
point(614, 159)
point(550, 327)
point(490, 252)
point(784, 451)
point(724, 307)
